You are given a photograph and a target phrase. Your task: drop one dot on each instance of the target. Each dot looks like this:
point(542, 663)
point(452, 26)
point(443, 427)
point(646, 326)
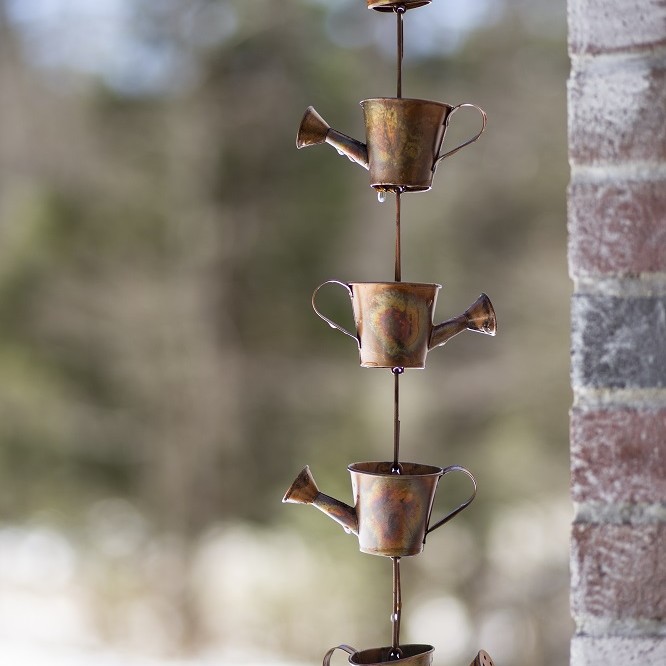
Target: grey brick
point(618, 342)
point(617, 651)
point(607, 26)
point(616, 111)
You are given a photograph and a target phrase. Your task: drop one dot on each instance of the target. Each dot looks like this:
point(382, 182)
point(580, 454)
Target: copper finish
point(479, 317)
point(400, 39)
point(393, 321)
point(394, 508)
point(398, 249)
point(396, 419)
point(393, 500)
point(391, 513)
point(404, 137)
point(396, 652)
point(304, 491)
point(394, 5)
point(412, 654)
point(314, 130)
point(482, 659)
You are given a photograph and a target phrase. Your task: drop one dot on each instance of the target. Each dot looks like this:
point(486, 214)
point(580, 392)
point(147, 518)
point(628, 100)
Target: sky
point(103, 38)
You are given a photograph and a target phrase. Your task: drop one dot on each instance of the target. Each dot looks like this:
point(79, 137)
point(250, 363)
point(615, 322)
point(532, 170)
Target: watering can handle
point(329, 654)
point(331, 323)
point(484, 120)
point(464, 505)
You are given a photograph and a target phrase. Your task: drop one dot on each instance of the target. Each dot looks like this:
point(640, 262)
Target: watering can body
point(393, 320)
point(392, 511)
point(403, 140)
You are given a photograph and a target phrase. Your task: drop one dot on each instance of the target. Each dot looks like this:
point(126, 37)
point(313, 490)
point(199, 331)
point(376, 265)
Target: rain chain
point(394, 329)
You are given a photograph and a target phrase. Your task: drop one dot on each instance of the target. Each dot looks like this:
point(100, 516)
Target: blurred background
point(163, 378)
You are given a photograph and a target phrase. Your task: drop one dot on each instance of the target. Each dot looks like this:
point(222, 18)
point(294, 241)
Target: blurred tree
point(159, 241)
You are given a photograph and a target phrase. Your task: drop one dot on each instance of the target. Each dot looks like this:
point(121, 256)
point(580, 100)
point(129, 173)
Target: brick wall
point(617, 260)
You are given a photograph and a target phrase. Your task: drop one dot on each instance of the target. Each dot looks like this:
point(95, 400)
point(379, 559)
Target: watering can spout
point(479, 317)
point(304, 491)
point(315, 130)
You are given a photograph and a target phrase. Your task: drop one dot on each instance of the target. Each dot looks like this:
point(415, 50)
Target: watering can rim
point(434, 470)
point(406, 100)
point(396, 283)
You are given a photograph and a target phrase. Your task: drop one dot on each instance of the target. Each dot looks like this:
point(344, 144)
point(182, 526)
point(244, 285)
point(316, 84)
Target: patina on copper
point(479, 317)
point(403, 140)
point(314, 130)
point(392, 511)
point(482, 659)
point(404, 137)
point(393, 500)
point(393, 321)
point(396, 614)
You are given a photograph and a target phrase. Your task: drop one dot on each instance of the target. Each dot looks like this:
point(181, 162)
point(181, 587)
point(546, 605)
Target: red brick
point(618, 571)
point(618, 455)
point(617, 227)
point(606, 26)
point(616, 111)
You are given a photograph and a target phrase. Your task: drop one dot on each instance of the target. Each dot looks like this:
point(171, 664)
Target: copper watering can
point(404, 137)
point(394, 327)
point(412, 654)
point(391, 512)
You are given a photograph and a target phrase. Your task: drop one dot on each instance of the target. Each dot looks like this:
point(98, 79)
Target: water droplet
point(381, 196)
point(395, 654)
point(346, 529)
point(340, 152)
